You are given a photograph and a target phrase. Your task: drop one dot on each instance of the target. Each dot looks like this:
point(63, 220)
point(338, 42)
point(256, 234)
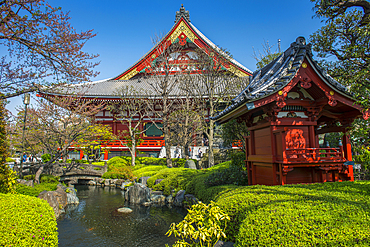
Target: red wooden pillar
point(81, 154)
point(348, 154)
point(105, 154)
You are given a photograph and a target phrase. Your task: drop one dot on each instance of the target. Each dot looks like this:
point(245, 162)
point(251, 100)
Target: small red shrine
point(286, 106)
point(190, 39)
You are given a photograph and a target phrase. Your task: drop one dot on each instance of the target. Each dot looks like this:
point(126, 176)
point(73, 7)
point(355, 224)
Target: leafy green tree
point(345, 39)
point(235, 132)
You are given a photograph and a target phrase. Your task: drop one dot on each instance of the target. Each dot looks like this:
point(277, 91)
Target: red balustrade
point(300, 155)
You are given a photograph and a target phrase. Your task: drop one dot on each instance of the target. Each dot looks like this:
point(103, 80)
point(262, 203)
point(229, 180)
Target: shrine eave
point(271, 79)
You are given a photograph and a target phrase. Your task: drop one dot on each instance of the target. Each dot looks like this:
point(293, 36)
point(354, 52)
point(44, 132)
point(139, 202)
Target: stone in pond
point(124, 210)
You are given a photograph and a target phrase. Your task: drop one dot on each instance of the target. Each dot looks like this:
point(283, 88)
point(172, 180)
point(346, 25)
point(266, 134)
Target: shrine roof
point(182, 25)
point(277, 74)
point(109, 88)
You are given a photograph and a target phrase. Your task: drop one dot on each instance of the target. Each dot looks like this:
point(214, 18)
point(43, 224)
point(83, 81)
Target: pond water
point(96, 222)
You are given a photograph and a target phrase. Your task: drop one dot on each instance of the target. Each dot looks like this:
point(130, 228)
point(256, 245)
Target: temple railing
point(307, 155)
point(144, 143)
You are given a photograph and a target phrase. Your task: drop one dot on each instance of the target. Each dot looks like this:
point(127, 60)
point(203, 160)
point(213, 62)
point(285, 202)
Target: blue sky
point(125, 28)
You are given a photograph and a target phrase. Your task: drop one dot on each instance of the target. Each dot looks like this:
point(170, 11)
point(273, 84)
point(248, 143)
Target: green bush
point(322, 214)
point(45, 158)
point(231, 175)
point(238, 158)
point(7, 178)
point(144, 171)
point(78, 161)
point(26, 221)
point(121, 172)
point(117, 162)
point(99, 163)
point(45, 178)
point(9, 160)
point(35, 191)
point(174, 179)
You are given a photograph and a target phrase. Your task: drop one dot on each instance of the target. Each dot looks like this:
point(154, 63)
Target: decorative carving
point(291, 114)
point(182, 28)
point(313, 113)
point(183, 60)
point(331, 99)
point(306, 83)
point(182, 39)
point(294, 140)
point(280, 99)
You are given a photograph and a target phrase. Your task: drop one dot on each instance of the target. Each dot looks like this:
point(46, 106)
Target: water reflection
point(95, 221)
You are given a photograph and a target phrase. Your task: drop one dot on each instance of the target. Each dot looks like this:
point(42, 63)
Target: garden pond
point(96, 222)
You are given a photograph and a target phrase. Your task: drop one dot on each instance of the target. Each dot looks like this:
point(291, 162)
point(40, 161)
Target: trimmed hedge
point(47, 182)
point(325, 214)
point(144, 171)
point(322, 214)
point(26, 221)
point(36, 190)
point(174, 179)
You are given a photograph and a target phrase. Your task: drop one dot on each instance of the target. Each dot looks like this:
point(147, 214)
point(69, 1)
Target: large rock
point(113, 182)
point(119, 182)
point(179, 198)
point(92, 183)
point(138, 193)
point(157, 181)
point(26, 182)
point(169, 199)
point(61, 196)
point(125, 185)
point(158, 199)
point(124, 210)
point(190, 164)
point(143, 180)
point(71, 196)
point(191, 199)
point(107, 182)
point(224, 244)
point(52, 200)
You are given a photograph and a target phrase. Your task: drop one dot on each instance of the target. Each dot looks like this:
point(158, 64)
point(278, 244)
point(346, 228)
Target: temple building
point(183, 59)
point(286, 106)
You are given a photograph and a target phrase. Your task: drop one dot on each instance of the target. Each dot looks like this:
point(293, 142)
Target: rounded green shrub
point(231, 175)
point(117, 161)
point(325, 214)
point(45, 158)
point(174, 179)
point(9, 160)
point(26, 221)
point(149, 170)
point(122, 172)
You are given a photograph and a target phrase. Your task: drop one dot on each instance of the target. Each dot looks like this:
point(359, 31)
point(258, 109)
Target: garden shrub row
point(26, 221)
point(120, 167)
point(47, 182)
point(326, 214)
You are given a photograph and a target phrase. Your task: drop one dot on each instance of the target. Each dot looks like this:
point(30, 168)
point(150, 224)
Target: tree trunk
point(133, 152)
point(168, 147)
point(39, 172)
point(211, 159)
